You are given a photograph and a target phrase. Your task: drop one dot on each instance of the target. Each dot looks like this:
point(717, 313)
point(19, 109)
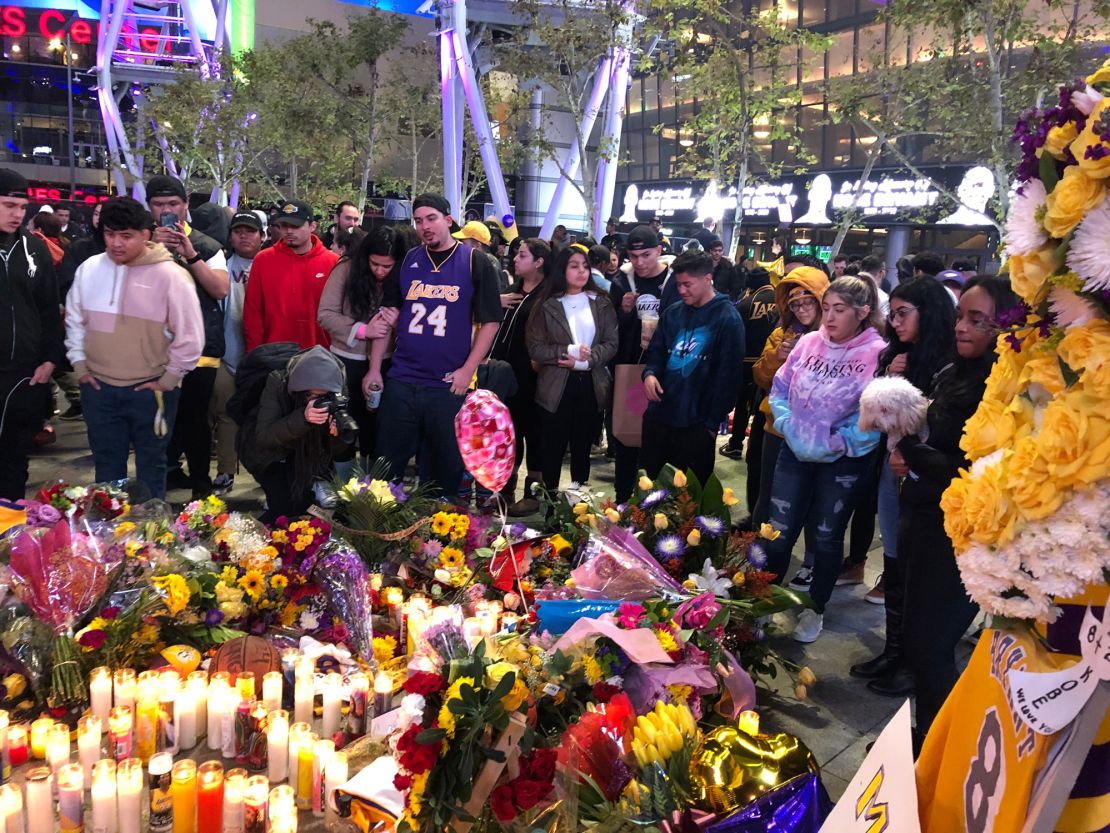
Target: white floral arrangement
point(1030, 519)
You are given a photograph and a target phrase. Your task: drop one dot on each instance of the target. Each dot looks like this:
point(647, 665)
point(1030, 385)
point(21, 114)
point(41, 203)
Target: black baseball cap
point(246, 218)
point(642, 237)
point(165, 186)
point(612, 221)
point(294, 213)
point(12, 183)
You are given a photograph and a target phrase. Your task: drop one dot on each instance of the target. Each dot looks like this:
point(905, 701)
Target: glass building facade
point(653, 139)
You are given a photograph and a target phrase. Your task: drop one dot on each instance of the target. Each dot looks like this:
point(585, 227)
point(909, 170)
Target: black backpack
point(252, 373)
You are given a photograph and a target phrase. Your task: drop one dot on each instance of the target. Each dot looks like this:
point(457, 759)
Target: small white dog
point(894, 406)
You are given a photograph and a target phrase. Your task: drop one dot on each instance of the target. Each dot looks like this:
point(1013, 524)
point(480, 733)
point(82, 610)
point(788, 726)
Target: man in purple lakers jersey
point(446, 289)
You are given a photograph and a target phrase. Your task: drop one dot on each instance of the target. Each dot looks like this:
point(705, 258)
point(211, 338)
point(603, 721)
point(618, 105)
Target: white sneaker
point(809, 626)
point(802, 579)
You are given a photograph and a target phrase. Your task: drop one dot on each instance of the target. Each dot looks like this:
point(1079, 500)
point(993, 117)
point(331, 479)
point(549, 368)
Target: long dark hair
point(555, 284)
point(936, 334)
point(539, 251)
point(998, 288)
point(363, 292)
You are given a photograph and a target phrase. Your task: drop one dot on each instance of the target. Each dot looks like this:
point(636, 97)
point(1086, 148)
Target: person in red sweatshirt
point(286, 282)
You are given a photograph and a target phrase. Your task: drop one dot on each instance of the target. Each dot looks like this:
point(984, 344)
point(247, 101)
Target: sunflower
point(451, 558)
point(278, 581)
point(666, 640)
point(592, 668)
point(175, 590)
point(253, 583)
point(441, 523)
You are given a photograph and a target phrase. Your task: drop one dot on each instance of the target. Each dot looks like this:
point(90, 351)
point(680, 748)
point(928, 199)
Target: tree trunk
point(371, 138)
point(293, 177)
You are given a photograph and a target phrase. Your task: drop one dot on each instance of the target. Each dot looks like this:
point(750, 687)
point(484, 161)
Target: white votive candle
point(186, 714)
point(333, 699)
point(129, 794)
point(271, 690)
point(88, 745)
point(40, 800)
point(104, 813)
point(11, 804)
point(277, 744)
point(100, 693)
point(303, 692)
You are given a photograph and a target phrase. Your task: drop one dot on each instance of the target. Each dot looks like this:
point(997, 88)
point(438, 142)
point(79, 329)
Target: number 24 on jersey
point(437, 319)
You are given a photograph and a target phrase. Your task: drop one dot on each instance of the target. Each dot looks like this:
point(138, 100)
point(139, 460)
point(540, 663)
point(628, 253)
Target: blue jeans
point(889, 490)
point(421, 419)
point(768, 460)
point(827, 490)
point(118, 418)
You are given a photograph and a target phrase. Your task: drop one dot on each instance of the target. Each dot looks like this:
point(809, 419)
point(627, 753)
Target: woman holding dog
point(922, 347)
point(824, 464)
point(937, 608)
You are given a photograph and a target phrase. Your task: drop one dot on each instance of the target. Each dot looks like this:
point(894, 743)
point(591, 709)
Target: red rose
point(541, 764)
point(604, 692)
point(93, 639)
point(501, 802)
point(424, 683)
point(402, 782)
point(527, 794)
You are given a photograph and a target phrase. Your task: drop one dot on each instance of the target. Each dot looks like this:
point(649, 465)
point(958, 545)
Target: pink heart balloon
point(486, 437)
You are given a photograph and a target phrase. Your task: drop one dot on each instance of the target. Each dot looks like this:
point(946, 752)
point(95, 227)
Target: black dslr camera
point(336, 406)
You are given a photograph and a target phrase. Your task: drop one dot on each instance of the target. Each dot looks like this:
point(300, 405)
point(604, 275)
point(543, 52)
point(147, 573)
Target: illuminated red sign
point(51, 193)
point(17, 22)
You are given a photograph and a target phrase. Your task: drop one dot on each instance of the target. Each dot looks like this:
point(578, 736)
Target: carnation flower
point(1087, 252)
point(1084, 100)
point(1024, 230)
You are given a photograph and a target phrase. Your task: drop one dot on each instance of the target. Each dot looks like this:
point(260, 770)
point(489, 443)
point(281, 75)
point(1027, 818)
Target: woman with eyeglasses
point(937, 608)
point(798, 298)
point(922, 346)
point(825, 463)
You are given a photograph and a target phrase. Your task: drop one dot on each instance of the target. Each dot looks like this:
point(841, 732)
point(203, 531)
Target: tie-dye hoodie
point(815, 396)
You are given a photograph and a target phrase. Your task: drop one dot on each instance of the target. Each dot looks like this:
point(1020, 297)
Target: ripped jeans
point(831, 491)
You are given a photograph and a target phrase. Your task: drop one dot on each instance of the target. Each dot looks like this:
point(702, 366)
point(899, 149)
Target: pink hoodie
point(815, 395)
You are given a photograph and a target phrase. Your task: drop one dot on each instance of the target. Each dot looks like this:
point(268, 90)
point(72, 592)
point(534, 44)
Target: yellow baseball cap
point(474, 230)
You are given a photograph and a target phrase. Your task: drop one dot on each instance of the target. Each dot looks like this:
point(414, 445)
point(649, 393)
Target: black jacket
point(935, 462)
point(210, 308)
point(30, 317)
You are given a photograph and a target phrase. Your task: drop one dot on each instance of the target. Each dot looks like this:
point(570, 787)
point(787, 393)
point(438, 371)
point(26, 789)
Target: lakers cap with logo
point(293, 213)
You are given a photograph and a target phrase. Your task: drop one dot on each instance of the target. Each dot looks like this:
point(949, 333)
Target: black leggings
point(575, 423)
point(276, 481)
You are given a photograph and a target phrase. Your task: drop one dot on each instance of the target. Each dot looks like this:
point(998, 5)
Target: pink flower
point(699, 611)
point(629, 615)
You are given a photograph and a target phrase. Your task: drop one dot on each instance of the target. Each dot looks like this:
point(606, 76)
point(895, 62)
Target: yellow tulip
point(694, 538)
point(729, 497)
point(612, 514)
point(645, 483)
point(661, 522)
point(580, 509)
point(806, 676)
point(769, 532)
point(679, 480)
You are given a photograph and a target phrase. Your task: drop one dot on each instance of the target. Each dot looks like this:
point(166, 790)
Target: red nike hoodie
point(283, 294)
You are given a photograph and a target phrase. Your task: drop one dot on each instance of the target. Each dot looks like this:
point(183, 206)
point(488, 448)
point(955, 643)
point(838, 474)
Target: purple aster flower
point(213, 617)
point(398, 492)
point(670, 546)
point(653, 498)
point(517, 530)
point(431, 549)
point(757, 556)
point(709, 525)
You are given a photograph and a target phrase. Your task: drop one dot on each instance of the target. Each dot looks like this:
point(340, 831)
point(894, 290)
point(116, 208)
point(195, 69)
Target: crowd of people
point(252, 337)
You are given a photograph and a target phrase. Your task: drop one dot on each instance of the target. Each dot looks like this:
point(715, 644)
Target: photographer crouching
point(299, 427)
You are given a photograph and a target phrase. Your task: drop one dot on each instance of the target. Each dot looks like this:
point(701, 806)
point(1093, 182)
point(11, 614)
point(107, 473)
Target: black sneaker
point(803, 579)
point(72, 412)
point(223, 484)
point(732, 452)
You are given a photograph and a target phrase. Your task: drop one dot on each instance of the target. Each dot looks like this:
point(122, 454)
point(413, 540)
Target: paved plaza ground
point(837, 721)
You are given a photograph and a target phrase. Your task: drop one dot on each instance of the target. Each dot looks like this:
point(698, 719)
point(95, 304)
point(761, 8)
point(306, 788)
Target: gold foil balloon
point(731, 768)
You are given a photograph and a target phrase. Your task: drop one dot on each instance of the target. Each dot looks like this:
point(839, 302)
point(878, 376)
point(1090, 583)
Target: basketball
point(246, 653)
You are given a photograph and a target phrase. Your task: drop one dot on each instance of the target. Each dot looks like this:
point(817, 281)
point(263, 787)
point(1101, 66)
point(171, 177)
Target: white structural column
point(457, 73)
point(614, 121)
point(568, 171)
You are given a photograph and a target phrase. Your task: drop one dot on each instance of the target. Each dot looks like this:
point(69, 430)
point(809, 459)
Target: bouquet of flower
point(1030, 518)
point(101, 501)
point(378, 515)
point(451, 724)
point(60, 574)
point(343, 579)
point(201, 518)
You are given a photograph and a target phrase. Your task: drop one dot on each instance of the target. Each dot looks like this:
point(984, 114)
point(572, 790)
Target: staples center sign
point(54, 23)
